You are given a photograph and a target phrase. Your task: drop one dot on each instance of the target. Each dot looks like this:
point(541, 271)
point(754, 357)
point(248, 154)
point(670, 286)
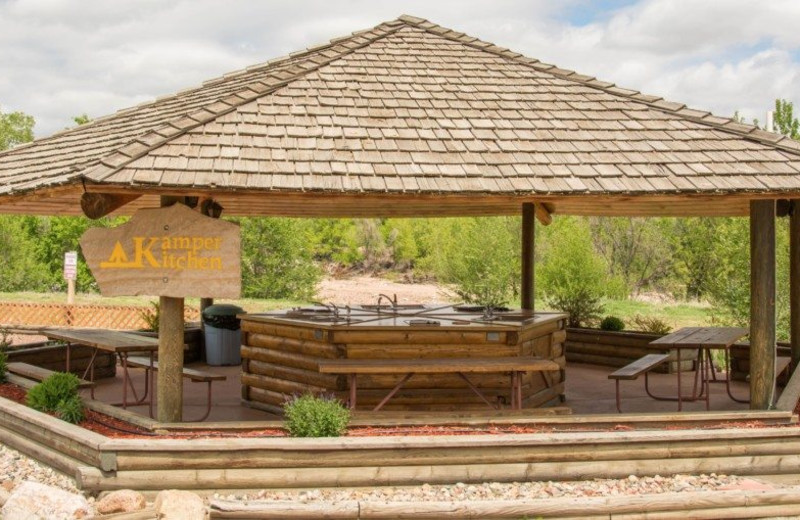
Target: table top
point(702, 337)
point(109, 340)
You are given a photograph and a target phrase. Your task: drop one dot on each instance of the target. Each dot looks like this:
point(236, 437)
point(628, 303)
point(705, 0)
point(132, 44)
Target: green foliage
point(15, 128)
point(480, 257)
point(276, 259)
point(784, 120)
point(20, 269)
point(571, 277)
point(311, 416)
point(696, 265)
point(651, 324)
point(47, 395)
point(151, 316)
point(612, 323)
point(730, 288)
point(70, 409)
point(335, 240)
point(81, 119)
point(3, 366)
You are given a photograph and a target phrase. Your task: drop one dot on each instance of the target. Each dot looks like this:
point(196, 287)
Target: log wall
point(617, 349)
point(279, 360)
point(53, 357)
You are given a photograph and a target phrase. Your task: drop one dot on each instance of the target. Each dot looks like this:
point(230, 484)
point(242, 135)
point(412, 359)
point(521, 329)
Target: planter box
point(192, 343)
point(617, 349)
point(54, 357)
point(740, 361)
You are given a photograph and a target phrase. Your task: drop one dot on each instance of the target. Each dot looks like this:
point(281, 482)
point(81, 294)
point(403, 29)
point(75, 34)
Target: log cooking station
point(282, 352)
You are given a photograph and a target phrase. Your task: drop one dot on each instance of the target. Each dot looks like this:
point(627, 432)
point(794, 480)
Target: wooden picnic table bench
point(194, 375)
point(459, 366)
point(632, 371)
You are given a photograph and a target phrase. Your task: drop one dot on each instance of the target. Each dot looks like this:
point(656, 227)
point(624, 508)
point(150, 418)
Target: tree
point(15, 128)
point(784, 120)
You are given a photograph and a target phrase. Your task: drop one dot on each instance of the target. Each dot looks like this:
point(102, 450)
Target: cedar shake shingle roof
point(411, 119)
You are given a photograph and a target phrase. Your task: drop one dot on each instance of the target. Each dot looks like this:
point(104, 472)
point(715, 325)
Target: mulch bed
point(116, 428)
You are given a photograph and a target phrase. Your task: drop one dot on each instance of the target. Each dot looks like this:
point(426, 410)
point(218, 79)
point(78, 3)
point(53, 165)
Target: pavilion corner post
point(528, 248)
point(170, 353)
point(762, 303)
point(794, 281)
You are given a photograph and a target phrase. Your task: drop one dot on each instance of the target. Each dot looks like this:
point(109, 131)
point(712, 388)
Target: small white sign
point(71, 258)
point(71, 265)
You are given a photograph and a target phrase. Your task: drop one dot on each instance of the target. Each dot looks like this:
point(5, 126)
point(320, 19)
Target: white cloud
point(60, 58)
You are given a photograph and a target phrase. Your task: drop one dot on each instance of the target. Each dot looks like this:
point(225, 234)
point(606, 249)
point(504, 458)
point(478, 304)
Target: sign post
point(70, 274)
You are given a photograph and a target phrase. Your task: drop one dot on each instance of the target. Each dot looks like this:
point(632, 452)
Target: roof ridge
point(727, 124)
point(146, 142)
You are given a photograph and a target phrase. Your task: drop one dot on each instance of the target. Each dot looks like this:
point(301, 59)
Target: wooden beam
point(527, 292)
point(170, 352)
point(543, 214)
point(762, 304)
point(97, 205)
point(794, 281)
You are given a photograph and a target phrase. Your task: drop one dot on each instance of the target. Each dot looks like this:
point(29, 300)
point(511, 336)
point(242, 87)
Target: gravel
point(506, 491)
point(16, 468)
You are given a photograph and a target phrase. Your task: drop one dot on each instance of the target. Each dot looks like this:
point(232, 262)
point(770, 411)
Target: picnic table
point(120, 343)
point(703, 340)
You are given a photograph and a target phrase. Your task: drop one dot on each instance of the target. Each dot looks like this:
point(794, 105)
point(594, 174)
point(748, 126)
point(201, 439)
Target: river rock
point(173, 504)
point(31, 500)
point(122, 501)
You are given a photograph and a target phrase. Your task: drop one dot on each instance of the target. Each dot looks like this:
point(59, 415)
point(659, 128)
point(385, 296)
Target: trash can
point(223, 335)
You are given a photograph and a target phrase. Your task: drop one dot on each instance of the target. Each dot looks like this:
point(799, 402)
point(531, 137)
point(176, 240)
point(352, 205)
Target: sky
point(63, 58)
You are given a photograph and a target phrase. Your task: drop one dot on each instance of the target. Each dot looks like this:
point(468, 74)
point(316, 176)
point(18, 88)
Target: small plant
point(5, 338)
point(47, 395)
point(311, 416)
point(3, 366)
point(70, 410)
point(151, 316)
point(651, 324)
point(612, 323)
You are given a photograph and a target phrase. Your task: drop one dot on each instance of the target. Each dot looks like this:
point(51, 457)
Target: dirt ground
point(365, 289)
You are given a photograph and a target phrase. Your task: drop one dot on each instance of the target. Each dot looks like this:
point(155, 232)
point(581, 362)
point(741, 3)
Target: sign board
point(70, 265)
point(171, 251)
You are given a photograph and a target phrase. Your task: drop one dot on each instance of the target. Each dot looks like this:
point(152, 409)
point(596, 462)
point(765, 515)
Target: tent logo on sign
point(167, 252)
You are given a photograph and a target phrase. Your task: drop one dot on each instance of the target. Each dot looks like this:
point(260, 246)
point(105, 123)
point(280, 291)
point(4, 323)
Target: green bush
point(612, 323)
point(3, 366)
point(151, 316)
point(70, 410)
point(651, 325)
point(311, 416)
point(571, 277)
point(47, 395)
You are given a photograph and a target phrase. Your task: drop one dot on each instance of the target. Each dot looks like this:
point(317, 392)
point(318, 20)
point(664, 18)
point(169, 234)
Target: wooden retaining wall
point(53, 357)
point(617, 349)
point(101, 463)
point(279, 360)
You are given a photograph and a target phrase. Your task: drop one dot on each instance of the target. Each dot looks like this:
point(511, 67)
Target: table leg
point(678, 371)
point(728, 378)
point(149, 381)
point(68, 356)
point(519, 390)
point(707, 365)
point(394, 391)
point(125, 379)
point(351, 382)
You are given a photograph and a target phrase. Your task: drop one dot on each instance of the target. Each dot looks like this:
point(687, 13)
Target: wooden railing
point(25, 315)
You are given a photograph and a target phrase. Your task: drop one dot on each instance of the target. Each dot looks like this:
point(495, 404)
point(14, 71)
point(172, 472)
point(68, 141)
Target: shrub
point(572, 277)
point(651, 324)
point(47, 395)
point(3, 365)
point(311, 416)
point(151, 316)
point(612, 323)
point(70, 410)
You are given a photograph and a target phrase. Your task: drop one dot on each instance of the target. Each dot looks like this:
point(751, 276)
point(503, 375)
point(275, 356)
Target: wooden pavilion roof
point(408, 119)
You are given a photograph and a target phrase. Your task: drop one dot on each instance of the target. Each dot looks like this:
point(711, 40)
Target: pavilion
point(411, 119)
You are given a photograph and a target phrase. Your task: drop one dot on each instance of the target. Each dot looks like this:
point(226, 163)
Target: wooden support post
point(170, 353)
point(762, 303)
point(528, 239)
point(794, 281)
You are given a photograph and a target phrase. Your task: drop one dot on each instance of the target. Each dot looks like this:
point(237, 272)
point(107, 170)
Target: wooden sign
point(171, 251)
